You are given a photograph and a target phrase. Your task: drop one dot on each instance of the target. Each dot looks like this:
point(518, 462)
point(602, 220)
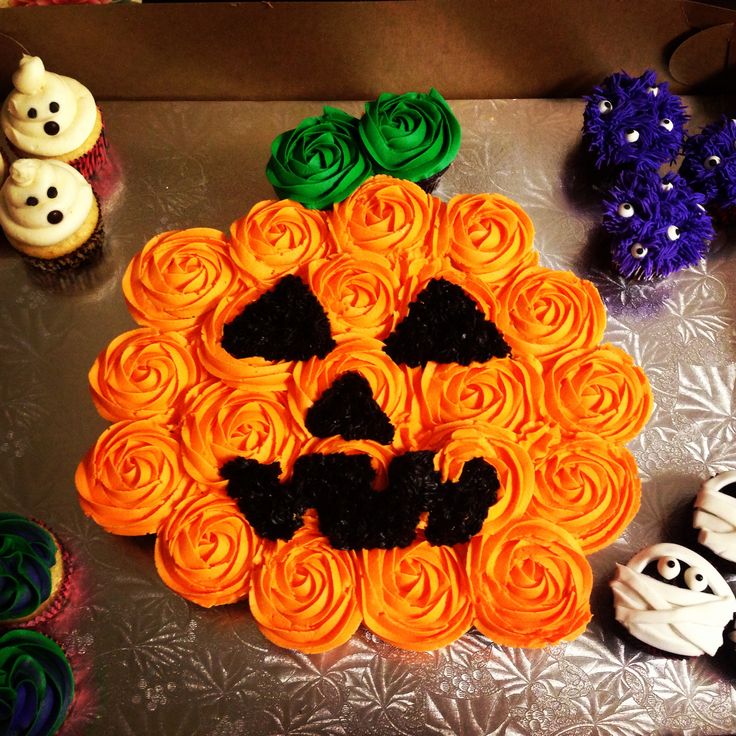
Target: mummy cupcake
point(673, 599)
point(49, 116)
point(715, 515)
point(50, 214)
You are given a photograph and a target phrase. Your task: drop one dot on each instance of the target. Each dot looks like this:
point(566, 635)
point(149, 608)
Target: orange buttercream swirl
point(599, 390)
point(506, 392)
point(490, 236)
point(458, 442)
point(530, 584)
point(388, 382)
point(141, 374)
point(254, 372)
point(415, 597)
point(546, 313)
point(359, 295)
point(304, 595)
point(178, 277)
point(132, 478)
point(206, 550)
point(279, 237)
point(391, 217)
point(589, 487)
point(221, 423)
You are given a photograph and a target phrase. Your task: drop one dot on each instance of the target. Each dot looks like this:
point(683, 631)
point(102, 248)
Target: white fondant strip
point(718, 504)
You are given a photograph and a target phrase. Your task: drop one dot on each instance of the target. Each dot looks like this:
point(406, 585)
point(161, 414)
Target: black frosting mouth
point(354, 516)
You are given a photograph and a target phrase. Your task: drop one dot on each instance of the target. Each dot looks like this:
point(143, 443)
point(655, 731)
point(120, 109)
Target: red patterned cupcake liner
point(88, 164)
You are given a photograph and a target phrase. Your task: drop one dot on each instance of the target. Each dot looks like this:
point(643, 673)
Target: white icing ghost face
point(43, 202)
point(715, 515)
point(673, 599)
point(47, 114)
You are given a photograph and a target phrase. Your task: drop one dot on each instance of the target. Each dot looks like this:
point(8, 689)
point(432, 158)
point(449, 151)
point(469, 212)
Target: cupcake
point(36, 684)
point(49, 116)
point(50, 214)
point(715, 515)
point(31, 571)
point(413, 136)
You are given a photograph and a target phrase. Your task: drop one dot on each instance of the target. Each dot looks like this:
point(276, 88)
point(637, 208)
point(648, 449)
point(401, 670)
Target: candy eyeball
point(711, 162)
point(668, 567)
point(632, 135)
point(638, 251)
point(604, 106)
point(653, 91)
point(625, 209)
point(695, 579)
point(673, 232)
point(667, 124)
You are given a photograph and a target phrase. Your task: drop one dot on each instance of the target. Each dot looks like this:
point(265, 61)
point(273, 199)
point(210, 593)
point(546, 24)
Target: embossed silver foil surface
point(148, 662)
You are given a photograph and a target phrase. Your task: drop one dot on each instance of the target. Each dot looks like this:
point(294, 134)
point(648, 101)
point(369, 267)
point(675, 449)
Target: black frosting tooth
point(285, 323)
point(444, 325)
point(347, 408)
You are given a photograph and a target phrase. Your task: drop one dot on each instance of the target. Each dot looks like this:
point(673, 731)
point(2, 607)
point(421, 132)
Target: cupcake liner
point(430, 183)
point(89, 163)
point(91, 247)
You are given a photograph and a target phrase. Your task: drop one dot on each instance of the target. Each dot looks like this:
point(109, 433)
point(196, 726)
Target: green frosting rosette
point(36, 684)
point(412, 136)
point(320, 162)
point(27, 555)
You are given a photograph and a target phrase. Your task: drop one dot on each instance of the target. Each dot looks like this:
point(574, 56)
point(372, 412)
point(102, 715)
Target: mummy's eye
point(632, 136)
point(695, 579)
point(638, 251)
point(625, 209)
point(667, 124)
point(673, 232)
point(711, 162)
point(668, 567)
point(604, 106)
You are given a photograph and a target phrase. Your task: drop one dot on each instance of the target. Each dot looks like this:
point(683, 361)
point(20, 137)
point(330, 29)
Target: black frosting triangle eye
point(285, 323)
point(446, 326)
point(348, 408)
point(729, 490)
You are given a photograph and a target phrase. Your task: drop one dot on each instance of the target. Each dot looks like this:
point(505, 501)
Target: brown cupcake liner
point(430, 183)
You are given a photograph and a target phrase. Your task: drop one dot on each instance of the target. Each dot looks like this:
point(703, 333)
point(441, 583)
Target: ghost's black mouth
point(354, 516)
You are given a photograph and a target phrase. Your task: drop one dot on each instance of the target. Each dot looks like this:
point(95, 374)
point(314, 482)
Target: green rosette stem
point(411, 136)
point(36, 684)
point(27, 555)
point(320, 162)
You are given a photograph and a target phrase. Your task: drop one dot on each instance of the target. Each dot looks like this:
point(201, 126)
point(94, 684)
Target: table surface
point(147, 661)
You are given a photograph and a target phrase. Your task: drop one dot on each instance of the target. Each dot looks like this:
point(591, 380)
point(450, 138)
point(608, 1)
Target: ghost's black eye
point(32, 113)
point(54, 107)
point(51, 192)
point(31, 201)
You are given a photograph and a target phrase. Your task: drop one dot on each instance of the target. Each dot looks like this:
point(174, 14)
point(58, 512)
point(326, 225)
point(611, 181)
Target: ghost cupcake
point(49, 213)
point(715, 515)
point(50, 116)
point(673, 599)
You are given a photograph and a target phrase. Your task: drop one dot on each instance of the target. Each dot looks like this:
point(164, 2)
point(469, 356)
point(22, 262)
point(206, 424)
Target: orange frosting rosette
point(222, 423)
point(388, 382)
point(546, 313)
point(392, 217)
point(304, 595)
point(490, 236)
point(506, 392)
point(206, 550)
point(132, 477)
point(252, 372)
point(415, 597)
point(599, 390)
point(458, 442)
point(589, 487)
point(279, 237)
point(178, 277)
point(530, 584)
point(142, 373)
point(359, 294)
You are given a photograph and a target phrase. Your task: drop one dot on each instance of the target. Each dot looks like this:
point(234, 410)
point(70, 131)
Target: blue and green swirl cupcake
point(412, 136)
point(31, 570)
point(36, 684)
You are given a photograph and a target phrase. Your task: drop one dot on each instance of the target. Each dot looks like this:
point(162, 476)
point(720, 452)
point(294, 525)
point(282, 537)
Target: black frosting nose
point(51, 128)
point(55, 217)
